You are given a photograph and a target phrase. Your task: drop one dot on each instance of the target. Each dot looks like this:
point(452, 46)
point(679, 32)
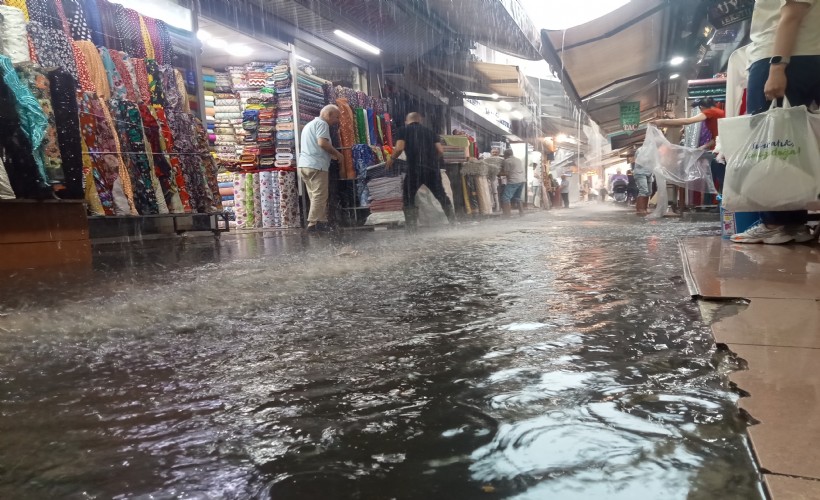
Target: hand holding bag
point(773, 160)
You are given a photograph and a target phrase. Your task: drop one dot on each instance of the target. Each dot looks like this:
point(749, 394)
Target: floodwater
point(556, 356)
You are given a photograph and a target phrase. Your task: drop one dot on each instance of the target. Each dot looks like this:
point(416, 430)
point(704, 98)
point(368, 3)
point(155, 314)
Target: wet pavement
point(555, 356)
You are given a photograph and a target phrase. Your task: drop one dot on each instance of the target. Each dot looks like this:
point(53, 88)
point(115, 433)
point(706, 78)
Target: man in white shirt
point(785, 56)
point(314, 164)
point(513, 169)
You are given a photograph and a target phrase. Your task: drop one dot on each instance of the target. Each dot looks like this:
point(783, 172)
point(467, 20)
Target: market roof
point(619, 57)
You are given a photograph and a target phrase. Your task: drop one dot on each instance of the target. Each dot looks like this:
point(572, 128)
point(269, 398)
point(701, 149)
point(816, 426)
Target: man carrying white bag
point(774, 158)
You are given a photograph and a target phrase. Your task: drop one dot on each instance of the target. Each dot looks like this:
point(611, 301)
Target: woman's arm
point(679, 122)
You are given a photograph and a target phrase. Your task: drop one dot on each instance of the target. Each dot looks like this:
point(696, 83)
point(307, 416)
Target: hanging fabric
point(127, 74)
point(96, 69)
point(132, 141)
point(162, 165)
point(53, 48)
point(21, 6)
point(38, 84)
point(347, 135)
point(64, 104)
point(75, 13)
point(13, 36)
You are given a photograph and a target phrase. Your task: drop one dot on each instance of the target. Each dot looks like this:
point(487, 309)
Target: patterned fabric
point(102, 147)
point(183, 92)
point(115, 80)
point(239, 200)
point(347, 134)
point(15, 146)
point(33, 120)
point(127, 74)
point(129, 28)
point(146, 40)
point(169, 147)
point(163, 170)
point(166, 46)
point(183, 129)
point(44, 13)
point(94, 21)
point(142, 80)
point(250, 198)
point(155, 82)
point(53, 48)
point(64, 103)
point(40, 87)
point(75, 12)
point(132, 141)
point(86, 83)
point(170, 90)
point(109, 29)
point(208, 164)
point(96, 68)
point(123, 177)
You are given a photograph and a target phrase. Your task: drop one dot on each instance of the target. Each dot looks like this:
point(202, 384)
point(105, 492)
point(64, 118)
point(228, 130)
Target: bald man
point(424, 150)
point(314, 164)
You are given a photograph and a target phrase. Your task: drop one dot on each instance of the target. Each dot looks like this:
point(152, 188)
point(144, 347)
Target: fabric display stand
point(384, 189)
point(267, 199)
point(109, 121)
point(479, 180)
point(255, 142)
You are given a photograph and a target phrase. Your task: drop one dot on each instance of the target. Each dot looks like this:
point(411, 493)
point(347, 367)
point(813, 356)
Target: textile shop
point(97, 105)
point(255, 111)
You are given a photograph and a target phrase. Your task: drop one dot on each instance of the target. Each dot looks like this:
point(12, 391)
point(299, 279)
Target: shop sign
point(630, 116)
point(488, 114)
point(723, 13)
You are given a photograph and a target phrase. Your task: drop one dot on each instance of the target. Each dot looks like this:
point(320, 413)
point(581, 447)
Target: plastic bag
point(6, 192)
point(681, 166)
point(773, 160)
point(429, 209)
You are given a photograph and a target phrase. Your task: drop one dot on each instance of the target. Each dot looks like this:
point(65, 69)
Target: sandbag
point(430, 212)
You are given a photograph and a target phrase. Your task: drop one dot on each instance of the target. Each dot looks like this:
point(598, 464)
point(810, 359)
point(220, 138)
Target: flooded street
point(555, 356)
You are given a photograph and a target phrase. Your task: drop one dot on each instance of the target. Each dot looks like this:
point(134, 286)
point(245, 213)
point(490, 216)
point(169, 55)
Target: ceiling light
point(561, 137)
point(505, 105)
point(239, 50)
point(674, 76)
point(517, 115)
point(303, 59)
point(494, 96)
point(204, 35)
point(217, 43)
point(677, 61)
point(358, 42)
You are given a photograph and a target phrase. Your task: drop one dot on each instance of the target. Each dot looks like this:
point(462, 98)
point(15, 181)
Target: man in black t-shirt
point(423, 149)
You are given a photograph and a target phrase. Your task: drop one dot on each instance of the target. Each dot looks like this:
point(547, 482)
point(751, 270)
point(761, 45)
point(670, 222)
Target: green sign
point(630, 115)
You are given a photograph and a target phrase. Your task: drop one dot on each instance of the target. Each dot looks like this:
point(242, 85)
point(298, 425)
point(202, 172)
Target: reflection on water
point(541, 359)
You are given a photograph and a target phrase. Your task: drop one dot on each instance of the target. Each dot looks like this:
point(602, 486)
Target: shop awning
point(502, 79)
point(616, 58)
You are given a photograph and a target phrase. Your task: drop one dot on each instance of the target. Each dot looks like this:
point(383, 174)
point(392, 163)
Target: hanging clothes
point(53, 48)
point(129, 29)
point(96, 68)
point(142, 79)
point(115, 79)
point(64, 104)
point(155, 83)
point(164, 172)
point(127, 74)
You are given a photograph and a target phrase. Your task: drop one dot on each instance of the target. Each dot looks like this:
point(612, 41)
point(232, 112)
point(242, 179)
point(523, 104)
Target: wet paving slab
point(774, 333)
point(554, 356)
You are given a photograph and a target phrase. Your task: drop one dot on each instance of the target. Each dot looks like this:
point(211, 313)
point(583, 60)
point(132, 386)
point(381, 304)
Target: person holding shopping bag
point(785, 55)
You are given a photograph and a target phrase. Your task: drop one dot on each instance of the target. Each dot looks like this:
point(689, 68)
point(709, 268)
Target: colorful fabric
point(155, 82)
point(96, 68)
point(347, 135)
point(75, 12)
point(132, 141)
point(239, 200)
point(38, 83)
point(20, 5)
point(52, 48)
point(115, 79)
point(163, 170)
point(142, 80)
point(129, 28)
point(94, 21)
point(125, 68)
point(169, 147)
point(109, 29)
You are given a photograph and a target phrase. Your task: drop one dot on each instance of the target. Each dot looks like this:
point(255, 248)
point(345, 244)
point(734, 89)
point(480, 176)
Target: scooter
point(619, 192)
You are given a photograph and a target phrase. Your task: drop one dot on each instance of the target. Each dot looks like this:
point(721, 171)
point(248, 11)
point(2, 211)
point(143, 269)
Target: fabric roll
point(250, 198)
point(96, 68)
point(239, 200)
point(53, 48)
point(38, 83)
point(347, 134)
point(75, 13)
point(141, 73)
point(132, 141)
point(64, 103)
point(126, 73)
point(116, 80)
point(267, 199)
point(124, 177)
point(44, 12)
point(13, 35)
point(257, 201)
point(19, 5)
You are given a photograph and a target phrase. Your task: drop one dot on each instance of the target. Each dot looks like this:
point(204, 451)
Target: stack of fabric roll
point(266, 200)
point(226, 192)
point(223, 82)
point(267, 130)
point(384, 187)
point(479, 178)
point(311, 96)
point(285, 133)
point(228, 114)
point(239, 79)
point(210, 104)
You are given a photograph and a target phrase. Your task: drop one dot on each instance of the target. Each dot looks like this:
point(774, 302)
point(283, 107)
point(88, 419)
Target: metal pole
point(526, 164)
point(294, 74)
point(200, 86)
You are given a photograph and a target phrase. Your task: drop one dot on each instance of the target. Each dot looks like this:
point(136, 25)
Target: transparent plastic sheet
point(673, 164)
point(6, 192)
point(773, 160)
point(378, 218)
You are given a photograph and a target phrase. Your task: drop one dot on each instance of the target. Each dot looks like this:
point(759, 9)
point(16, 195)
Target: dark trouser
point(430, 177)
point(803, 76)
point(565, 198)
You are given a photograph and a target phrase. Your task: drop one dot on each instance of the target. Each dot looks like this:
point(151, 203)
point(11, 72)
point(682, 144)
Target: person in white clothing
point(785, 56)
point(314, 164)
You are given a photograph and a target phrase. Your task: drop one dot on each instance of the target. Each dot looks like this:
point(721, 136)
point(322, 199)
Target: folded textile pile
point(384, 187)
point(227, 114)
point(226, 191)
point(285, 134)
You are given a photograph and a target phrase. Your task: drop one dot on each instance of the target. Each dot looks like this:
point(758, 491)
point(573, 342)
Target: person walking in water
point(314, 164)
point(565, 190)
point(424, 150)
point(513, 169)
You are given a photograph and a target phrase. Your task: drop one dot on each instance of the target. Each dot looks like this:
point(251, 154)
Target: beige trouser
point(316, 184)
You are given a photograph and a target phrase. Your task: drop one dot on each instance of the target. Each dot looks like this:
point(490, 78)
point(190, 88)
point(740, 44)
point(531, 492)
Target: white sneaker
point(762, 234)
point(802, 234)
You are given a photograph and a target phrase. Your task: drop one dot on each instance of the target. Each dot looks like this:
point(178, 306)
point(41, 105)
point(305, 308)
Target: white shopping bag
point(430, 211)
point(773, 160)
